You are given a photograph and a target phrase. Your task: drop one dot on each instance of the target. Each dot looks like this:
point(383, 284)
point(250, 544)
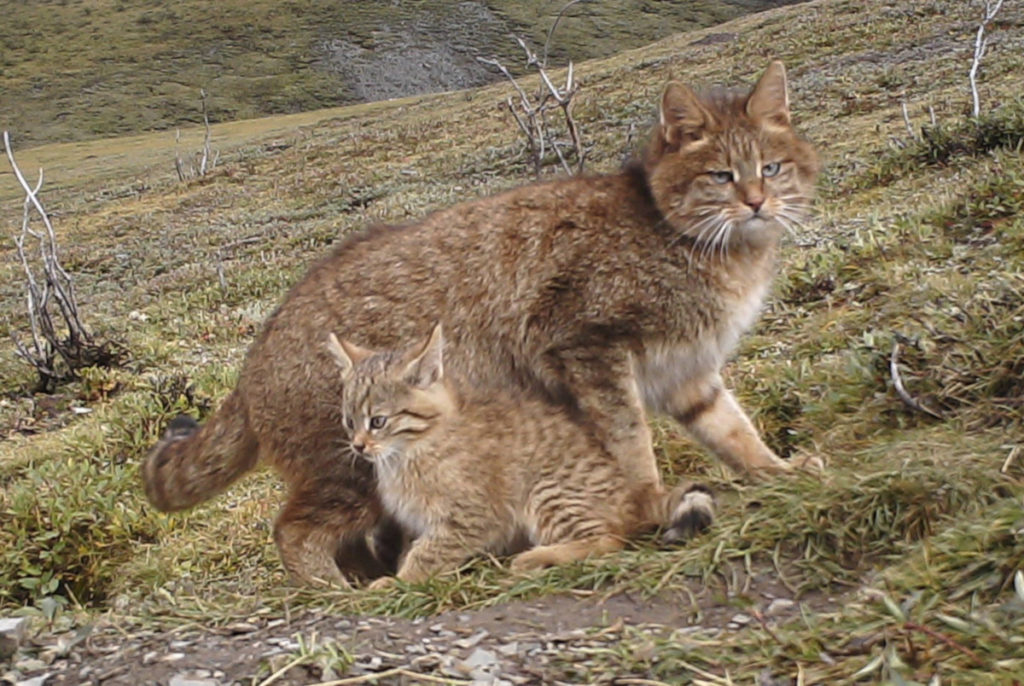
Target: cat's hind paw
point(693, 514)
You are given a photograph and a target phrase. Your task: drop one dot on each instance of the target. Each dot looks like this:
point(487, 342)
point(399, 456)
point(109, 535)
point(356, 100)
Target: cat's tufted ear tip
point(768, 102)
point(681, 114)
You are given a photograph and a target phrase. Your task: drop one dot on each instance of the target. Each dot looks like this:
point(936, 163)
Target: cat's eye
point(378, 421)
point(350, 424)
point(770, 169)
point(721, 176)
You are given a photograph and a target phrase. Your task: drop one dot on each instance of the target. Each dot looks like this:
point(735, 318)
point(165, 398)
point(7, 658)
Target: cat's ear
point(427, 366)
point(768, 102)
point(346, 354)
point(682, 114)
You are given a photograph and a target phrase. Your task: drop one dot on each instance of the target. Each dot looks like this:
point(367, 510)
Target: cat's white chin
point(760, 231)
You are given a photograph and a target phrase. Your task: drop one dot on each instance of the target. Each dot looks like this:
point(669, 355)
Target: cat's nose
point(754, 202)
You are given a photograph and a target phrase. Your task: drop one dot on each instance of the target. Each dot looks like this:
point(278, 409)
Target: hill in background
point(75, 69)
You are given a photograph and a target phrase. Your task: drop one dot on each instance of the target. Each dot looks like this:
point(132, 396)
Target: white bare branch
point(980, 46)
point(532, 114)
point(72, 342)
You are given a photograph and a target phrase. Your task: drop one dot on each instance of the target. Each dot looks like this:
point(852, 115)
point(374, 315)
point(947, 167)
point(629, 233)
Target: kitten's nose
point(359, 443)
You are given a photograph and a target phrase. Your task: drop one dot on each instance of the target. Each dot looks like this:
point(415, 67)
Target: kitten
point(471, 475)
point(605, 295)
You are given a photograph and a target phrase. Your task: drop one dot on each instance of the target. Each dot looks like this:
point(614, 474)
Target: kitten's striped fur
point(472, 475)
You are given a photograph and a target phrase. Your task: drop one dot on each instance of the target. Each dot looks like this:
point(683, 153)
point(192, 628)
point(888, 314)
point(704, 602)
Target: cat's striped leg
point(321, 535)
point(604, 389)
point(438, 551)
point(710, 412)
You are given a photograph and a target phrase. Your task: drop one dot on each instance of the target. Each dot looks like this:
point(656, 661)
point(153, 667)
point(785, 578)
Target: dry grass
point(918, 521)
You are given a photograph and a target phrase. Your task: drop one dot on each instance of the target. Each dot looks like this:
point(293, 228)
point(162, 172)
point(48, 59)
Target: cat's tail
point(193, 463)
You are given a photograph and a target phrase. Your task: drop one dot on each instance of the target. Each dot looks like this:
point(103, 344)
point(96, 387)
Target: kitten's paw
point(382, 583)
point(692, 515)
point(535, 558)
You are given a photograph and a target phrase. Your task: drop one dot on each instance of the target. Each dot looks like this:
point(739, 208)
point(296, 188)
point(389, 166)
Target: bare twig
point(531, 114)
point(911, 626)
point(202, 161)
point(551, 31)
point(901, 391)
point(75, 346)
point(980, 45)
point(397, 671)
point(1014, 452)
point(906, 120)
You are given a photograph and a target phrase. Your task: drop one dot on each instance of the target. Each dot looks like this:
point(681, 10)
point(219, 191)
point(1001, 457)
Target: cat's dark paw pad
point(180, 427)
point(693, 515)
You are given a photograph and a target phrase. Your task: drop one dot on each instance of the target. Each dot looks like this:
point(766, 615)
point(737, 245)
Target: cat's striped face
point(384, 413)
point(727, 168)
point(391, 398)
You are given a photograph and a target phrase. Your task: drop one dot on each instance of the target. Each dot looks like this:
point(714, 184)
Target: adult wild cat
point(604, 294)
point(469, 475)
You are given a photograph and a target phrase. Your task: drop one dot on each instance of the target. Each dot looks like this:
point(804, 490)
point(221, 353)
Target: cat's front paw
point(806, 462)
point(382, 583)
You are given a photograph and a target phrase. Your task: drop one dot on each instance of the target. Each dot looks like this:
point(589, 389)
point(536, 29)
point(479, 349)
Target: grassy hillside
point(911, 541)
point(73, 70)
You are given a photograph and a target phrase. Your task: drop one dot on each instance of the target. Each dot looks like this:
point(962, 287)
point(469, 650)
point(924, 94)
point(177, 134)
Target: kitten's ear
point(427, 366)
point(346, 354)
point(682, 114)
point(768, 101)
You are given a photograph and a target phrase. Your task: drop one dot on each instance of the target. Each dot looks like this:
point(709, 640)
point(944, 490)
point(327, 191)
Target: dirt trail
point(550, 640)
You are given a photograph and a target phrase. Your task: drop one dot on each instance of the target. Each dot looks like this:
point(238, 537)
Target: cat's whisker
point(723, 247)
point(700, 228)
point(707, 244)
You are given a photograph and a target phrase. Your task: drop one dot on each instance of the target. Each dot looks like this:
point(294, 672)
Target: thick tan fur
point(470, 475)
point(604, 295)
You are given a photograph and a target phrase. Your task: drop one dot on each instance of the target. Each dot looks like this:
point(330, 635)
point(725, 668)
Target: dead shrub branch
point(57, 351)
point(546, 135)
point(980, 46)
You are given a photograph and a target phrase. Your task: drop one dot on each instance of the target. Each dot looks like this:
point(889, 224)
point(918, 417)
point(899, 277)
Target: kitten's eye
point(378, 421)
point(771, 169)
point(350, 424)
point(721, 176)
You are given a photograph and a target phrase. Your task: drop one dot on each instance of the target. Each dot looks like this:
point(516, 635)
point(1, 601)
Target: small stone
point(34, 681)
point(436, 628)
point(12, 631)
point(472, 641)
point(509, 649)
point(184, 680)
point(150, 657)
point(778, 606)
point(29, 664)
point(172, 657)
point(741, 619)
point(480, 658)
